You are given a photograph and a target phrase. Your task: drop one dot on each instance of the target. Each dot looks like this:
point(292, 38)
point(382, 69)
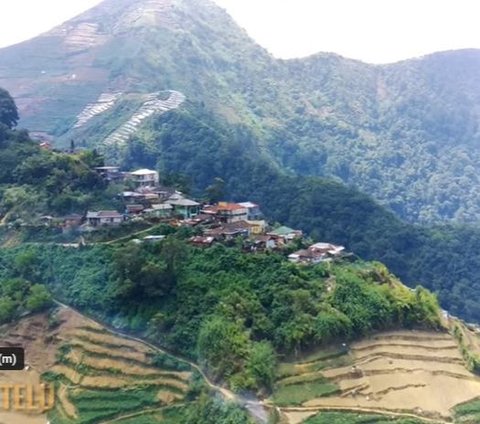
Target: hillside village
point(145, 199)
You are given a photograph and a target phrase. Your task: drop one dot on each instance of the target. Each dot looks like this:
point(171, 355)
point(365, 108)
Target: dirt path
point(93, 243)
point(67, 405)
point(124, 237)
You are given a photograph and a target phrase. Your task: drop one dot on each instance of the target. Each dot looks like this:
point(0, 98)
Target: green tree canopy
point(261, 364)
point(8, 109)
point(222, 345)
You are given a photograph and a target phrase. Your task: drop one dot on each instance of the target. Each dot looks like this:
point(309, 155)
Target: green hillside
point(231, 311)
point(36, 181)
point(405, 133)
point(193, 143)
point(234, 313)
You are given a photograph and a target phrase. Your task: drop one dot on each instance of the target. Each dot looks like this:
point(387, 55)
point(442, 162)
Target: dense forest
point(405, 133)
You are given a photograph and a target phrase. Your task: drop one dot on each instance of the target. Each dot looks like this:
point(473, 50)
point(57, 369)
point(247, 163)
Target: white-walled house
point(253, 211)
point(95, 219)
point(144, 177)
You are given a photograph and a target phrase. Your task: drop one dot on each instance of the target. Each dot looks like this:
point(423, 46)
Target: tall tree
point(216, 191)
point(8, 109)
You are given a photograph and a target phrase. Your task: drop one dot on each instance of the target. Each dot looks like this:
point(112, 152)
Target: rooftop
point(202, 240)
point(107, 168)
point(248, 205)
point(283, 231)
point(183, 202)
point(301, 254)
point(327, 247)
point(230, 228)
point(223, 207)
point(154, 237)
point(226, 206)
point(104, 214)
point(161, 207)
point(131, 194)
point(143, 172)
point(135, 207)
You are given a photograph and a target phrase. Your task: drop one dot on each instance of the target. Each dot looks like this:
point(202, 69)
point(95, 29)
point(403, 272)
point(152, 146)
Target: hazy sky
point(377, 31)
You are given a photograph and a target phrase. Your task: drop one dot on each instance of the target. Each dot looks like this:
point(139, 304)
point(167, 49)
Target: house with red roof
point(227, 212)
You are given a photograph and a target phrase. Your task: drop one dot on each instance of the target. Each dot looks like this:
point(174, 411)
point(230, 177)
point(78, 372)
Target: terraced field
point(153, 103)
point(105, 102)
point(40, 355)
point(99, 377)
point(404, 377)
point(352, 418)
point(102, 376)
point(411, 373)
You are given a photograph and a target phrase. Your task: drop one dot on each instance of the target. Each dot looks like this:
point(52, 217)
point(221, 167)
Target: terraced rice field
point(28, 333)
point(153, 104)
point(105, 102)
point(352, 418)
point(420, 374)
point(101, 376)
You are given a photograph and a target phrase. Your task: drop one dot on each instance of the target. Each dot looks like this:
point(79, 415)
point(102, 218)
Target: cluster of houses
point(220, 222)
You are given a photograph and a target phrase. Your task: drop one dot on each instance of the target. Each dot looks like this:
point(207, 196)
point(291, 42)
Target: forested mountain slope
point(406, 133)
point(191, 142)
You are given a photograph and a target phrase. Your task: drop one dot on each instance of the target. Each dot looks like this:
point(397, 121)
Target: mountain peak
point(127, 47)
point(111, 18)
